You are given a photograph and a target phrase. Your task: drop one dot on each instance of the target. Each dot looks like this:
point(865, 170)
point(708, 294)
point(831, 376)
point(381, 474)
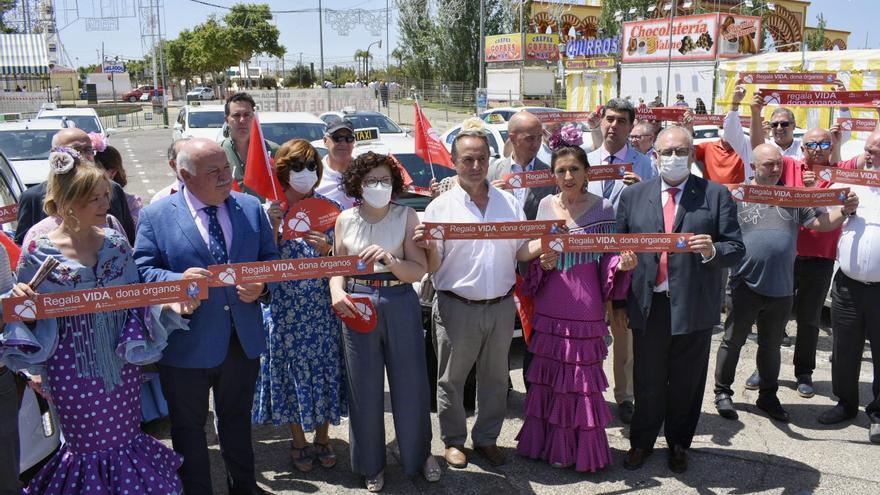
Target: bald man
point(854, 308)
point(30, 207)
point(762, 284)
point(814, 265)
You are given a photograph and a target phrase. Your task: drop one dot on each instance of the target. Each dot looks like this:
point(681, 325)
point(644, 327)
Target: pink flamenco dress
point(565, 412)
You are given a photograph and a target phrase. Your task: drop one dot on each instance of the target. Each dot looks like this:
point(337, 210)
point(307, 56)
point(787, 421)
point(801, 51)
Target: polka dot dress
point(105, 451)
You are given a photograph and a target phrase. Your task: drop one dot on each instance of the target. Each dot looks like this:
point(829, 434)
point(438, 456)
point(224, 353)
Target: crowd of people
point(277, 353)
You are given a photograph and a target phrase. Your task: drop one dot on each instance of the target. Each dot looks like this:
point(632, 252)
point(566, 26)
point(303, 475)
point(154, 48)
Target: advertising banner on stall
point(692, 37)
point(503, 48)
point(542, 46)
point(738, 36)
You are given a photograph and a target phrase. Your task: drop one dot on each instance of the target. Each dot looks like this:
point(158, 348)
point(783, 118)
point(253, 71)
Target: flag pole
point(422, 125)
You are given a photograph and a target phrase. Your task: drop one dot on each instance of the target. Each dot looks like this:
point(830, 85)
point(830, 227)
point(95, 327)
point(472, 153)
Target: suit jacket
point(502, 167)
point(641, 166)
point(30, 210)
point(168, 242)
point(694, 287)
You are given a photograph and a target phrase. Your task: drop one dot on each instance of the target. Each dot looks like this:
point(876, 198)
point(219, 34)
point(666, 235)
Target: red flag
point(12, 250)
point(259, 172)
point(407, 179)
point(428, 144)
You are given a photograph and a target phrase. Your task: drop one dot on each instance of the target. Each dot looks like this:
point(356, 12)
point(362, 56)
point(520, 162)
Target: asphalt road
point(751, 455)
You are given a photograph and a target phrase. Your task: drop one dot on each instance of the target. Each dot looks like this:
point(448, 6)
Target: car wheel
point(132, 99)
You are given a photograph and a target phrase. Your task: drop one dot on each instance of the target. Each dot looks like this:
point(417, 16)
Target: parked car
point(83, 118)
point(26, 145)
point(497, 134)
point(138, 93)
point(198, 121)
point(200, 93)
point(362, 119)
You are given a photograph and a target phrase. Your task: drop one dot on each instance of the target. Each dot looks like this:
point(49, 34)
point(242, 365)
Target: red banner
point(9, 213)
point(674, 114)
point(364, 319)
point(558, 117)
point(703, 119)
point(613, 243)
point(492, 230)
point(857, 125)
point(545, 178)
point(309, 214)
point(289, 269)
point(858, 176)
point(787, 78)
point(819, 98)
point(99, 300)
point(794, 197)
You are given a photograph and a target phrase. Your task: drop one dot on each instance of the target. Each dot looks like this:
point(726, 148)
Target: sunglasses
point(674, 151)
point(311, 166)
point(784, 125)
point(348, 138)
point(822, 145)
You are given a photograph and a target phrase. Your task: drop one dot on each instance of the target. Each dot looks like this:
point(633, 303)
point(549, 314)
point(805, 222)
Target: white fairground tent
point(588, 88)
point(857, 69)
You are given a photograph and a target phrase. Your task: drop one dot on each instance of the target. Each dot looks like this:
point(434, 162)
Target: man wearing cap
point(339, 140)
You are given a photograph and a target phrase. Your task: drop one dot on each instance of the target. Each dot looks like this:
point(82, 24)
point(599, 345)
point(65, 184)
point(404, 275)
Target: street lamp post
point(367, 58)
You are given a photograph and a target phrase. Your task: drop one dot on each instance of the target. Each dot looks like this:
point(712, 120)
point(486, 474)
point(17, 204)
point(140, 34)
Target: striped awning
point(23, 54)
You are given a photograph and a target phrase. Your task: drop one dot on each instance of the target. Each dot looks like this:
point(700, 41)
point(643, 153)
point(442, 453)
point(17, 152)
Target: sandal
point(376, 483)
point(325, 455)
point(431, 470)
point(303, 459)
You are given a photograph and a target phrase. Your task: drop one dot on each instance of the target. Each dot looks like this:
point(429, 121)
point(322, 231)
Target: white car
point(83, 118)
point(497, 134)
point(280, 127)
point(365, 119)
point(199, 121)
point(200, 93)
point(26, 145)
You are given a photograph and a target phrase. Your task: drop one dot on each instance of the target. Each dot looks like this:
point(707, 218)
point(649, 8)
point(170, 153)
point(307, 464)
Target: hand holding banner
point(365, 318)
point(287, 269)
point(492, 230)
point(307, 215)
point(858, 177)
point(98, 300)
point(614, 243)
point(794, 197)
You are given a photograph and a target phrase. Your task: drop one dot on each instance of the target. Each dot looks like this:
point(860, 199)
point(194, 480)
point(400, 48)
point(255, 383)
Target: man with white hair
point(178, 238)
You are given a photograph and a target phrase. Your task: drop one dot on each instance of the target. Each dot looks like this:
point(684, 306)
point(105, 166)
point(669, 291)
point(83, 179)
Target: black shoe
point(874, 433)
point(678, 462)
point(754, 381)
point(625, 410)
point(786, 340)
point(724, 405)
point(635, 458)
point(805, 386)
point(773, 408)
point(836, 414)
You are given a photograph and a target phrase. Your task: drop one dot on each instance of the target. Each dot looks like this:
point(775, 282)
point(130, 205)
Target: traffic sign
point(115, 68)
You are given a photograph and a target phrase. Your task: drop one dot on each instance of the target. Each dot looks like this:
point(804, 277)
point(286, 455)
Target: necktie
point(608, 185)
point(216, 241)
point(668, 222)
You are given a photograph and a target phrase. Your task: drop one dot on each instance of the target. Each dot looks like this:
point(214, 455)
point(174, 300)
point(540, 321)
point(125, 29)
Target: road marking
point(151, 191)
point(135, 160)
point(145, 181)
point(141, 172)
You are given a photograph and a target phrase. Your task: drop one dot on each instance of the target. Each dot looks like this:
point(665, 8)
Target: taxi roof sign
point(366, 135)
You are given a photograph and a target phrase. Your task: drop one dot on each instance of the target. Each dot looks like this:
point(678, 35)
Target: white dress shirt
point(331, 187)
point(196, 209)
point(664, 198)
point(735, 136)
point(858, 250)
point(476, 269)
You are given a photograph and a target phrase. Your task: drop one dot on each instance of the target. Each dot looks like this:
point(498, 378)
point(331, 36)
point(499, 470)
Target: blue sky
point(299, 32)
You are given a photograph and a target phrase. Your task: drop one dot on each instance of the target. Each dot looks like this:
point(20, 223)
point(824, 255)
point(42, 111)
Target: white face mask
point(303, 181)
point(674, 168)
point(377, 196)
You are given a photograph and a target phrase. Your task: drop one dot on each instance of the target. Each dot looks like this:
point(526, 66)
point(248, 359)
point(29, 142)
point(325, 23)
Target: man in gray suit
point(675, 299)
point(616, 123)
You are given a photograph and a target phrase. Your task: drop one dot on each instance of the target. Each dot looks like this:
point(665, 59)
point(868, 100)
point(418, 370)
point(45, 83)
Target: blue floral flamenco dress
point(90, 365)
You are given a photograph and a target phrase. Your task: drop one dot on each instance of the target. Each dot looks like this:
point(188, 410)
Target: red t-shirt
point(811, 243)
point(722, 166)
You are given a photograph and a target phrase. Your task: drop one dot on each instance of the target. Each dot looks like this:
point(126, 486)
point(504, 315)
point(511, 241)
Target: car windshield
point(209, 120)
point(385, 125)
point(282, 132)
point(84, 122)
point(420, 171)
point(26, 144)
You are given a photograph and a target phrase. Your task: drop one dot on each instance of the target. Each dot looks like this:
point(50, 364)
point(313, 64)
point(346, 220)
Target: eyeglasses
point(782, 124)
point(814, 145)
point(639, 136)
point(299, 166)
point(348, 138)
point(674, 151)
point(373, 182)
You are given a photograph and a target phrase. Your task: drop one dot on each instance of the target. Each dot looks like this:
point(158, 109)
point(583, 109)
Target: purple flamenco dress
point(565, 412)
point(90, 365)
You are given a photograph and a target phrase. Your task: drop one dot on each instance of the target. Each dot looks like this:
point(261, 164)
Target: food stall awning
point(23, 54)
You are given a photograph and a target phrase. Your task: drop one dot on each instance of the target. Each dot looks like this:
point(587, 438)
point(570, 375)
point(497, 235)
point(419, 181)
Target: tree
point(300, 76)
point(6, 6)
point(815, 39)
point(416, 29)
point(175, 56)
point(208, 49)
point(457, 54)
point(609, 25)
point(250, 33)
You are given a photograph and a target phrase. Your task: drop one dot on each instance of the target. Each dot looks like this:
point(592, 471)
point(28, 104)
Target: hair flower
point(62, 159)
point(567, 135)
point(99, 141)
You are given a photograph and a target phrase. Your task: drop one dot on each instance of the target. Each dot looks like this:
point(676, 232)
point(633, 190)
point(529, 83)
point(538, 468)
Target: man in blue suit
point(178, 237)
point(616, 122)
